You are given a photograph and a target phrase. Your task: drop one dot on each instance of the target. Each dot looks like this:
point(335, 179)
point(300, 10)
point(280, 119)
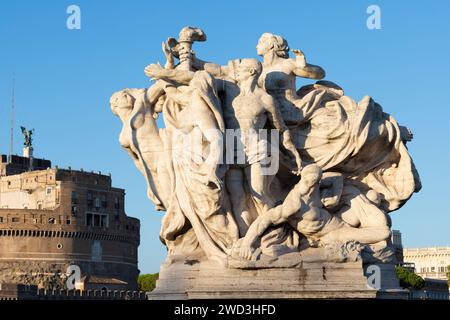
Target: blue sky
point(64, 79)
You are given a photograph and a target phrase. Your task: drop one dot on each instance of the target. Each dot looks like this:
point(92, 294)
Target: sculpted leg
point(234, 181)
point(259, 184)
point(369, 235)
point(368, 224)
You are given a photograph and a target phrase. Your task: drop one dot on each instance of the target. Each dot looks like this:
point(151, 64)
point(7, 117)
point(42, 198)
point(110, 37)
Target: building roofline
point(428, 248)
point(69, 170)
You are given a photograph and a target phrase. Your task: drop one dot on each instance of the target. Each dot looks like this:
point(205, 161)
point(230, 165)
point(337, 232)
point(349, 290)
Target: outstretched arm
point(278, 122)
point(213, 68)
point(306, 70)
point(156, 72)
point(219, 72)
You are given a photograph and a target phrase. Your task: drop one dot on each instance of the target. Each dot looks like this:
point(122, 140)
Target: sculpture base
point(309, 280)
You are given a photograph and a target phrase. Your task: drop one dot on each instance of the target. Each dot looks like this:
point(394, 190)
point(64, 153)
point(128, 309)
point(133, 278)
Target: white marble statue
point(341, 166)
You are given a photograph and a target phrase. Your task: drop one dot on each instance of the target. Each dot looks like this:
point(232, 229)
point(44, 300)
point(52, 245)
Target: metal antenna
point(12, 120)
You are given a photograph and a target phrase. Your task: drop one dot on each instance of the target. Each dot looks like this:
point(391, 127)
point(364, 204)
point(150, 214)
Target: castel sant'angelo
point(52, 218)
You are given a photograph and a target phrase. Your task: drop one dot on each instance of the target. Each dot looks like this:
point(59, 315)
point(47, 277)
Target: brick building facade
point(53, 218)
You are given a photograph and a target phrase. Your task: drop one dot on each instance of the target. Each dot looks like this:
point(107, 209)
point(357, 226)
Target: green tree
point(409, 279)
point(147, 282)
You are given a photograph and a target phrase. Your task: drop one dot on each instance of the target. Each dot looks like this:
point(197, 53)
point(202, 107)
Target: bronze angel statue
point(27, 136)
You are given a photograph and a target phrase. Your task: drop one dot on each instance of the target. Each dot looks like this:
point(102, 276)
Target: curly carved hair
point(276, 43)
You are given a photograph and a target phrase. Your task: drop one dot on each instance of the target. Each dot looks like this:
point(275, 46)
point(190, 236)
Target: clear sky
point(64, 79)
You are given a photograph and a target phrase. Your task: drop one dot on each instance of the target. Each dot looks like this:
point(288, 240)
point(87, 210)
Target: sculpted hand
point(169, 56)
point(290, 146)
point(299, 169)
point(154, 71)
point(300, 57)
point(298, 53)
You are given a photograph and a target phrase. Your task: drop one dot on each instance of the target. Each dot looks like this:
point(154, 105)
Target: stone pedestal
point(28, 152)
point(309, 280)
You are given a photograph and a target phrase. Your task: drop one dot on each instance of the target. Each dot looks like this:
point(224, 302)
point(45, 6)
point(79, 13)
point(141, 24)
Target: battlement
point(19, 164)
point(10, 291)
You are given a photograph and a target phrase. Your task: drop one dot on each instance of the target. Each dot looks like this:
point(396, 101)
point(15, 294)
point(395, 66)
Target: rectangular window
point(97, 203)
point(104, 221)
point(74, 210)
point(15, 219)
point(89, 219)
point(104, 201)
point(89, 199)
point(1, 219)
point(49, 190)
point(116, 202)
point(51, 220)
point(74, 197)
point(96, 220)
point(68, 221)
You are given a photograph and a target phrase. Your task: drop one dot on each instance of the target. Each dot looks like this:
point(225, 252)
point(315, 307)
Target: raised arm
point(304, 69)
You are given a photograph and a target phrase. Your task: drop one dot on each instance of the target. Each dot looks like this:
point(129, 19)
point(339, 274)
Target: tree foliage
point(409, 279)
point(147, 282)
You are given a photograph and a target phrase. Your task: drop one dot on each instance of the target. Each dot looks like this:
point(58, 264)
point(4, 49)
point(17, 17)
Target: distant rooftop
point(19, 164)
point(428, 249)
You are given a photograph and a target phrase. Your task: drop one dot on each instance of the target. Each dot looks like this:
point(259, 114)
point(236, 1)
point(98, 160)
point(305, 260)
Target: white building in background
point(430, 262)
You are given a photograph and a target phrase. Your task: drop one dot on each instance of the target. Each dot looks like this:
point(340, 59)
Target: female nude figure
point(141, 139)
